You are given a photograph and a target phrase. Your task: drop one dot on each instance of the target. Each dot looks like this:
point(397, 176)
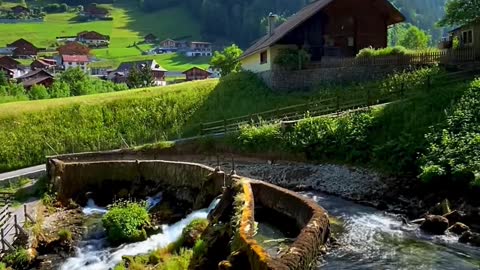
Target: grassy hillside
point(129, 25)
point(31, 130)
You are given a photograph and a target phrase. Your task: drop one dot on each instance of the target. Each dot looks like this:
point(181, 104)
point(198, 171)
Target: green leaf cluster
point(125, 222)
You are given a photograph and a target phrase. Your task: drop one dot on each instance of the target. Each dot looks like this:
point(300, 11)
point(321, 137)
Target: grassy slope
point(129, 26)
point(31, 130)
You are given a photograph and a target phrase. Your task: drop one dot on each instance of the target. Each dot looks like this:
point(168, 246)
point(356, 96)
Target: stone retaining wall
point(71, 179)
point(282, 80)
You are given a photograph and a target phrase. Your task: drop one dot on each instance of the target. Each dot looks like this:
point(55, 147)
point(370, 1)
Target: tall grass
point(391, 51)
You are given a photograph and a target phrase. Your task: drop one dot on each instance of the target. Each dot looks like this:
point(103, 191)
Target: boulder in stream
point(435, 224)
point(469, 237)
point(454, 217)
point(458, 228)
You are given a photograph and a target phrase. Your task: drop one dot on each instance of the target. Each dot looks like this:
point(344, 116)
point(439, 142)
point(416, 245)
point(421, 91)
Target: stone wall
point(282, 80)
point(194, 183)
point(311, 218)
point(199, 184)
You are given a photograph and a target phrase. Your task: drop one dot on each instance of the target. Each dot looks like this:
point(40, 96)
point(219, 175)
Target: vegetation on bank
point(126, 222)
point(434, 134)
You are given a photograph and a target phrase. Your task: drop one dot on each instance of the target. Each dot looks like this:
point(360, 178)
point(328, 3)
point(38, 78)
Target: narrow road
point(30, 172)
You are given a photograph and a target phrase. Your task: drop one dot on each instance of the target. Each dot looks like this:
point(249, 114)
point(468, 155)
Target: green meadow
point(129, 26)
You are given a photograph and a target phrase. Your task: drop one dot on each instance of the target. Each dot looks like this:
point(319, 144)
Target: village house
point(467, 35)
point(75, 61)
point(20, 10)
point(11, 67)
point(196, 73)
point(36, 77)
point(8, 72)
point(93, 38)
point(169, 43)
point(325, 28)
point(9, 62)
point(120, 75)
point(198, 48)
point(150, 38)
point(42, 63)
point(96, 12)
point(23, 49)
point(73, 48)
point(216, 72)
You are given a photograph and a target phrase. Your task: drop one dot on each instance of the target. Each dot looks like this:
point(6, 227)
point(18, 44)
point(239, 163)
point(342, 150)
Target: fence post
point(25, 211)
point(16, 224)
point(3, 240)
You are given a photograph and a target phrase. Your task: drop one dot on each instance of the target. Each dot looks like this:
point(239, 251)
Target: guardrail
point(328, 106)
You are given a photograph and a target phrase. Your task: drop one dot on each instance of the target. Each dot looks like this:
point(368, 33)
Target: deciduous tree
point(227, 60)
point(460, 12)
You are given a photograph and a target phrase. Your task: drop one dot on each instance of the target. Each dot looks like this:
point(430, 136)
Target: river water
point(371, 239)
point(368, 239)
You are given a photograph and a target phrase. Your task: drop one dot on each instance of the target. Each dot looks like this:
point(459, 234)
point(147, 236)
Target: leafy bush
point(389, 51)
point(454, 148)
point(38, 91)
point(3, 266)
point(65, 235)
point(125, 222)
point(263, 138)
point(292, 59)
point(19, 259)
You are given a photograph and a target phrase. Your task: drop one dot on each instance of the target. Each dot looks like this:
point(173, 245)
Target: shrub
point(454, 148)
point(125, 222)
point(389, 51)
point(263, 138)
point(292, 59)
point(48, 200)
point(19, 259)
point(65, 235)
point(38, 91)
point(3, 266)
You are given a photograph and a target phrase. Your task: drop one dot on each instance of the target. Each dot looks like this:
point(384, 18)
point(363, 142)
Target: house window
point(263, 57)
point(467, 37)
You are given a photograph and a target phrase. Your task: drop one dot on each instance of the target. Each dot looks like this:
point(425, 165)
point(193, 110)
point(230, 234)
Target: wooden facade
point(341, 29)
point(196, 73)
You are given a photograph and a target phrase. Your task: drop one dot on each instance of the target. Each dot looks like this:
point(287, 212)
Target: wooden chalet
point(120, 75)
point(73, 48)
point(196, 73)
point(36, 77)
point(23, 48)
point(96, 12)
point(93, 38)
point(46, 64)
point(325, 28)
point(9, 62)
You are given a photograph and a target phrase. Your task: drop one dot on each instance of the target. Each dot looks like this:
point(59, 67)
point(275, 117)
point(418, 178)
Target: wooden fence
point(332, 106)
point(424, 58)
point(10, 227)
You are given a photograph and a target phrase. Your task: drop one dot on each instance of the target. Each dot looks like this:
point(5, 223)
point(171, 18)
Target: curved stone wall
point(72, 177)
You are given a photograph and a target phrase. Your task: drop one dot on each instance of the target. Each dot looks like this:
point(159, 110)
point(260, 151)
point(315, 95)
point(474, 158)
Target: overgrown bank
point(434, 135)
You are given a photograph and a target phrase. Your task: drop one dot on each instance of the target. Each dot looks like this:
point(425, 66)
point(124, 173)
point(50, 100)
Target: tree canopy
point(414, 38)
point(227, 60)
point(460, 12)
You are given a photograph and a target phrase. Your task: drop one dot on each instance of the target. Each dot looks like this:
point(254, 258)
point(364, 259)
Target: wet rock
point(458, 228)
point(454, 217)
point(152, 230)
point(469, 237)
point(435, 224)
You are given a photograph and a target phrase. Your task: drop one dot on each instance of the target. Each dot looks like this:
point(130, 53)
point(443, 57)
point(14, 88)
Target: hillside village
point(271, 135)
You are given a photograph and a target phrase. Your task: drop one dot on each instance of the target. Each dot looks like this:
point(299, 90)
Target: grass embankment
point(129, 25)
point(33, 129)
point(434, 135)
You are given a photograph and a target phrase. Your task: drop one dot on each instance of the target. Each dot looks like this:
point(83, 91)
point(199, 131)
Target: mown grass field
point(129, 26)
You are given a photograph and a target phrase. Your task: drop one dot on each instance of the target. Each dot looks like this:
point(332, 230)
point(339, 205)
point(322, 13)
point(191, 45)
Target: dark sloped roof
point(201, 69)
point(300, 17)
point(35, 73)
point(36, 80)
point(9, 62)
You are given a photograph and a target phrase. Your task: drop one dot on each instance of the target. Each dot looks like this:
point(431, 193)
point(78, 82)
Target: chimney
point(271, 23)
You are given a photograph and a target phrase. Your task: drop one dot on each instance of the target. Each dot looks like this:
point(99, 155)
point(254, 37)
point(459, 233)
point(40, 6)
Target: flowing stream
point(95, 254)
point(371, 239)
point(368, 239)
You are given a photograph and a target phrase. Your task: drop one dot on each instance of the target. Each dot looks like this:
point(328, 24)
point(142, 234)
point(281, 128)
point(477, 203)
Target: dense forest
point(241, 20)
